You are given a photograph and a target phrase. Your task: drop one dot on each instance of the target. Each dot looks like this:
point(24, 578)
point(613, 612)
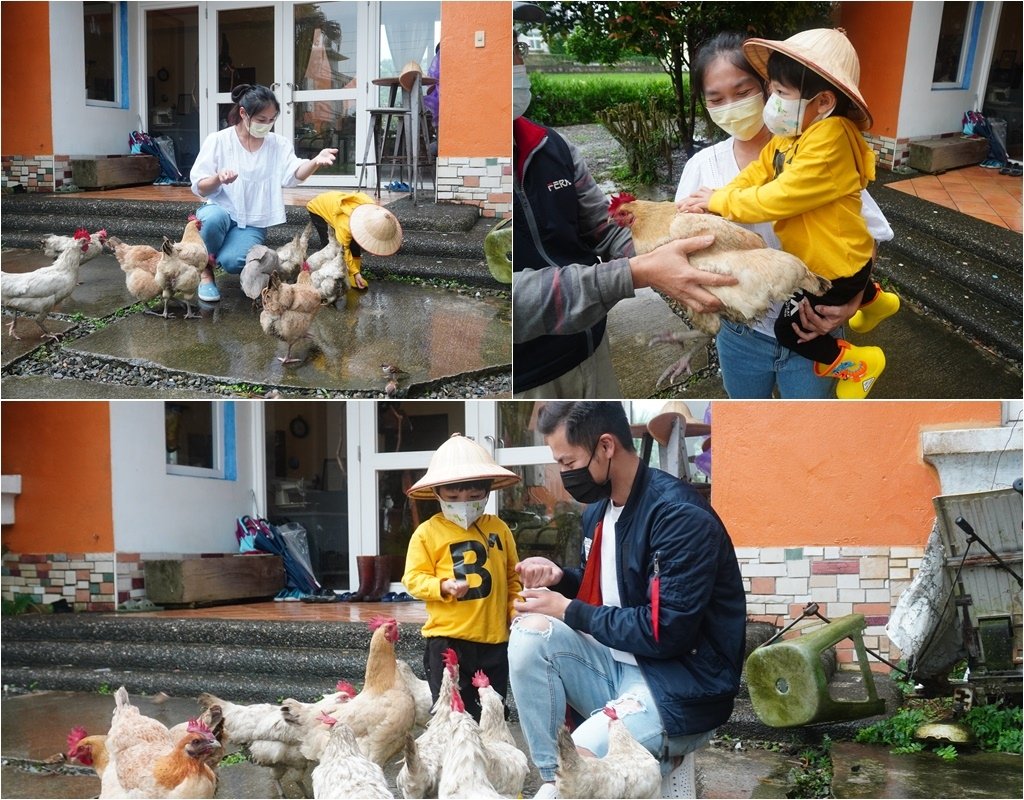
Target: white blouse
point(256, 197)
point(716, 166)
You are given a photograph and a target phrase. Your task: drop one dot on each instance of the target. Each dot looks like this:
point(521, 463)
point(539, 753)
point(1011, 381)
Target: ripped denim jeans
point(551, 665)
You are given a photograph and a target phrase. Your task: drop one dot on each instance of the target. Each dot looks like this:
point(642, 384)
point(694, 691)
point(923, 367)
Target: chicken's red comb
point(325, 718)
point(101, 234)
point(345, 688)
point(379, 621)
point(450, 658)
point(77, 734)
point(198, 726)
point(305, 266)
point(81, 233)
point(610, 712)
point(480, 679)
point(618, 200)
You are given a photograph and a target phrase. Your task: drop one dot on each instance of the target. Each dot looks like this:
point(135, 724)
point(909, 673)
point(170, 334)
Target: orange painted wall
point(830, 473)
point(62, 452)
point(476, 82)
point(879, 32)
point(25, 121)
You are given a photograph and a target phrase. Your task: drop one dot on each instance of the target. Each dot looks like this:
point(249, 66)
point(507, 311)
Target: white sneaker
point(547, 790)
point(681, 781)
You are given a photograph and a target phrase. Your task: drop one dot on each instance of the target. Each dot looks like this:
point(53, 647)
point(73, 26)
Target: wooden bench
point(213, 579)
point(938, 155)
point(108, 172)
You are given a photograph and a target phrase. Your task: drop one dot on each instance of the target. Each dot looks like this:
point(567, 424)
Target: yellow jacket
point(336, 208)
point(815, 201)
point(486, 556)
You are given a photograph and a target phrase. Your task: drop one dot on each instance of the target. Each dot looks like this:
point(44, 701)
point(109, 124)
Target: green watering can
point(787, 681)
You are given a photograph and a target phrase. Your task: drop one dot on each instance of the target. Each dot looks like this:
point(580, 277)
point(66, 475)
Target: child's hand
point(454, 588)
point(696, 203)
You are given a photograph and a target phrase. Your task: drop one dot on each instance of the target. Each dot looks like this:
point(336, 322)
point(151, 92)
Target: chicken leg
point(691, 339)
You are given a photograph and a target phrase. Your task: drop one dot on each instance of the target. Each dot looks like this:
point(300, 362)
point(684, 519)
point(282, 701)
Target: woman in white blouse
point(242, 171)
point(753, 363)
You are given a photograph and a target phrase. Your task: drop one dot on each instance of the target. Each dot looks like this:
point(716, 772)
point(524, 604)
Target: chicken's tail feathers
point(168, 246)
point(121, 699)
point(568, 756)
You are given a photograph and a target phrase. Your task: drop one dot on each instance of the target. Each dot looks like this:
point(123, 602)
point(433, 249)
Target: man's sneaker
point(883, 306)
point(681, 781)
point(547, 790)
point(856, 369)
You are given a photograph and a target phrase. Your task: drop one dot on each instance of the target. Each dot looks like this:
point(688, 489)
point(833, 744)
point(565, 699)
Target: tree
point(671, 32)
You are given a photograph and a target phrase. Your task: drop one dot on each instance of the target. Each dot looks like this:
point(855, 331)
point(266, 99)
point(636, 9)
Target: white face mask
point(785, 117)
point(742, 119)
point(463, 514)
point(258, 129)
point(521, 92)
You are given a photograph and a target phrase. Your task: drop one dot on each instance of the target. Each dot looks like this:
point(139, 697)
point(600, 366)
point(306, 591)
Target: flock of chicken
point(174, 271)
point(338, 746)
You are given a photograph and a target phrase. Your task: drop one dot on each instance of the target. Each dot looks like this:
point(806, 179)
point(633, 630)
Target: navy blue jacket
point(693, 669)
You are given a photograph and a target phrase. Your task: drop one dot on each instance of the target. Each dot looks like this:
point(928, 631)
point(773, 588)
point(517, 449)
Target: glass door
point(312, 56)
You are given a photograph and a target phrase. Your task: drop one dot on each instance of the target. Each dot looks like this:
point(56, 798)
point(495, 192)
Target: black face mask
point(582, 487)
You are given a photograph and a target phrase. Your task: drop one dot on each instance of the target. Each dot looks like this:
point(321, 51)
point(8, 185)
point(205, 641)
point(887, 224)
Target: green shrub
point(996, 728)
point(576, 99)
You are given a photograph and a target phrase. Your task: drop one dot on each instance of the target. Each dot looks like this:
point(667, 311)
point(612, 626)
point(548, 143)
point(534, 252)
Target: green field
point(608, 77)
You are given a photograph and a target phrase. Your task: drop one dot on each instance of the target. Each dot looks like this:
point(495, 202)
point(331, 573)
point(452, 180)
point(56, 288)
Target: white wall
point(79, 129)
point(159, 513)
point(928, 112)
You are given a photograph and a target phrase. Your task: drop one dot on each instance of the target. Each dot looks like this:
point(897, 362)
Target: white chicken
point(423, 756)
point(627, 770)
point(40, 291)
point(292, 254)
point(344, 771)
point(325, 253)
point(507, 765)
point(54, 244)
point(331, 280)
point(420, 690)
point(262, 261)
point(464, 768)
point(765, 275)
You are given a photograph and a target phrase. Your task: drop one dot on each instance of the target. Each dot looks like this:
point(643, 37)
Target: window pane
point(246, 53)
point(100, 51)
point(325, 46)
point(408, 32)
point(189, 434)
point(172, 62)
point(952, 35)
point(327, 123)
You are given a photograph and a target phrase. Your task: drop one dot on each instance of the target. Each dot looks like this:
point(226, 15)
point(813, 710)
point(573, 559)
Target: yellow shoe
point(856, 369)
point(870, 314)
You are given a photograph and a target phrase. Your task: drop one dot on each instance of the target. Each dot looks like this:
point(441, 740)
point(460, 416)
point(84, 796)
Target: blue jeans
point(551, 665)
point(753, 364)
point(225, 241)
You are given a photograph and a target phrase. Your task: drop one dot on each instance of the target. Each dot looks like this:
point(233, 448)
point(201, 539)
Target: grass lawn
point(609, 77)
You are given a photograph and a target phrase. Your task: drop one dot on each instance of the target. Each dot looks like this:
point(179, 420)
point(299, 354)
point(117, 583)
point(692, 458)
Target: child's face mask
point(464, 513)
point(742, 119)
point(785, 117)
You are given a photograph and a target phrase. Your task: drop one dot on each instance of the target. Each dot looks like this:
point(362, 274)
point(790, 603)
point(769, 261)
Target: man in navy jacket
point(653, 623)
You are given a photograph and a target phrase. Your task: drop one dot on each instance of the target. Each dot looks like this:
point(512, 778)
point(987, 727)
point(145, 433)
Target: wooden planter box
point(938, 155)
point(215, 579)
point(107, 172)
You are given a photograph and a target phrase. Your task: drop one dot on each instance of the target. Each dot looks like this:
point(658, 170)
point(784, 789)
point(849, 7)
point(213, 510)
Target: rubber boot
point(382, 568)
point(882, 306)
point(856, 369)
point(367, 576)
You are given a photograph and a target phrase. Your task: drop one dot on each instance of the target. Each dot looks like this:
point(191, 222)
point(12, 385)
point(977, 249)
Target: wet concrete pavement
point(35, 726)
point(925, 359)
point(432, 333)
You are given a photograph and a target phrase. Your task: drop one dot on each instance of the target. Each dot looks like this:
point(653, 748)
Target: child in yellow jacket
point(807, 181)
point(462, 562)
point(359, 224)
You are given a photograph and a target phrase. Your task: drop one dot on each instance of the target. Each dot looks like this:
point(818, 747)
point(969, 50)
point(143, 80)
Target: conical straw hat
point(460, 459)
point(408, 75)
point(376, 229)
point(660, 426)
point(827, 52)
